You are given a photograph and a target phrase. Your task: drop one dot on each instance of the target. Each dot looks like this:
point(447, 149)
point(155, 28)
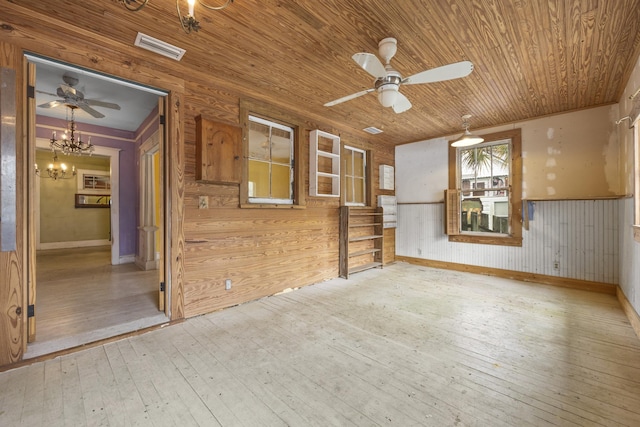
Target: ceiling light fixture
point(69, 144)
point(189, 22)
point(467, 139)
point(56, 170)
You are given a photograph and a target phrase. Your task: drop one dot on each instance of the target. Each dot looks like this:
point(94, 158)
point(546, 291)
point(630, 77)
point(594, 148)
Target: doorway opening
point(96, 251)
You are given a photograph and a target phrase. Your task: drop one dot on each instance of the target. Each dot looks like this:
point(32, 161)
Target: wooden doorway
point(91, 291)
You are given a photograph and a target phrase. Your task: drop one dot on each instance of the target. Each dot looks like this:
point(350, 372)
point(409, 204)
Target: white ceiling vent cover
point(372, 130)
point(158, 46)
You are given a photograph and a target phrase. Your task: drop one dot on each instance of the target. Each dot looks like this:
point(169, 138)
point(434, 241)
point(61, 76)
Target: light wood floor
point(402, 346)
point(81, 297)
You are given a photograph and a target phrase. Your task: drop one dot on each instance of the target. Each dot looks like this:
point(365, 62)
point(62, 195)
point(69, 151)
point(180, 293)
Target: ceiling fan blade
point(370, 63)
point(46, 93)
point(97, 114)
point(348, 97)
point(446, 72)
point(51, 104)
point(96, 103)
point(402, 104)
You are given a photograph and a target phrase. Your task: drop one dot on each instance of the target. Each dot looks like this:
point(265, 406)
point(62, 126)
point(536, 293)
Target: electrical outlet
point(203, 202)
point(556, 265)
point(227, 284)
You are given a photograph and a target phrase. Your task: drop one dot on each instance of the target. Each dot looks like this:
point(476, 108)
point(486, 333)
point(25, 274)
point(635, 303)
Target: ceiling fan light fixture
point(387, 95)
point(467, 139)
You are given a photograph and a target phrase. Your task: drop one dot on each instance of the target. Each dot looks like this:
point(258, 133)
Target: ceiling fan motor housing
point(387, 48)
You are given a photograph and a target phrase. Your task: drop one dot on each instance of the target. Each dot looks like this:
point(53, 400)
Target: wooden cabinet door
point(218, 152)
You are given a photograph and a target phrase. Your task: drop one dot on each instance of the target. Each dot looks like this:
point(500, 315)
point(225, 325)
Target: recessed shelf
point(324, 164)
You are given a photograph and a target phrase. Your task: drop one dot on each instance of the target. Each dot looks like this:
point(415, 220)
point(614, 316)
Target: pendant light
point(467, 139)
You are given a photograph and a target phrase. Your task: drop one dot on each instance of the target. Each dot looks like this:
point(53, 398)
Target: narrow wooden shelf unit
point(361, 239)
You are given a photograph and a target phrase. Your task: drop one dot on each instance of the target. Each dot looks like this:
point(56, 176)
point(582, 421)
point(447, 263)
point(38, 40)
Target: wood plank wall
point(581, 236)
point(262, 251)
point(13, 303)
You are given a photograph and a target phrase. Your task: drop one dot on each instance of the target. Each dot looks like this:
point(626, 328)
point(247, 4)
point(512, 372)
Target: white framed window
point(355, 176)
point(93, 181)
point(270, 168)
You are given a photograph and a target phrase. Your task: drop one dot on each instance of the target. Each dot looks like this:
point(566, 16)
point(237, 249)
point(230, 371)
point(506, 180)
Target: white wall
point(571, 164)
point(629, 248)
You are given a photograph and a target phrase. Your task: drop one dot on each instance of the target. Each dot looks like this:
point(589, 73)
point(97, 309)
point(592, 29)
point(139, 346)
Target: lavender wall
point(126, 142)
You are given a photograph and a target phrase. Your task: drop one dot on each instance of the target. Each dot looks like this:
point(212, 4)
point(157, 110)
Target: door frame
point(30, 69)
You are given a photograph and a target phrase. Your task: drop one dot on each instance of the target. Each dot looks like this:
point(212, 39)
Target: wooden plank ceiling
point(532, 58)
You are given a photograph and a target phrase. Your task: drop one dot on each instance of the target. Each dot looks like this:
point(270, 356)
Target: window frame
point(368, 170)
point(268, 113)
point(636, 179)
point(365, 177)
point(271, 162)
point(515, 189)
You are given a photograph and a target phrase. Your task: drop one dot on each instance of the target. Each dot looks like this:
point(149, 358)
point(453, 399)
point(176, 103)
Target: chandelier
point(56, 170)
point(69, 144)
point(187, 22)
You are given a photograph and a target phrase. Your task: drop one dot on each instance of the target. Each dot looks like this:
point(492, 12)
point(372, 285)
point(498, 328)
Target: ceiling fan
point(388, 80)
point(73, 98)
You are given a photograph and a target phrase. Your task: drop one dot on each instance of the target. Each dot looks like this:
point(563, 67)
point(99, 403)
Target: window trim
point(636, 179)
point(365, 156)
point(515, 207)
point(269, 113)
point(368, 170)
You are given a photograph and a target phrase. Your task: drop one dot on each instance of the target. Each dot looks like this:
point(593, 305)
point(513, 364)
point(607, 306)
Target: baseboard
point(564, 282)
point(73, 244)
point(632, 314)
point(127, 259)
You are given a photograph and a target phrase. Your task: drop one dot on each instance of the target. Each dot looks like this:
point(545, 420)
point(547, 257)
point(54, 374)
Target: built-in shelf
point(324, 164)
point(361, 239)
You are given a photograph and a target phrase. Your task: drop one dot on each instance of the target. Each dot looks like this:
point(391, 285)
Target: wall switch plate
point(227, 284)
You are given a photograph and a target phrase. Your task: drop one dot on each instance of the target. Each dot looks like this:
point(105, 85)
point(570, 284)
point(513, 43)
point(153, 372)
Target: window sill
point(487, 240)
point(269, 206)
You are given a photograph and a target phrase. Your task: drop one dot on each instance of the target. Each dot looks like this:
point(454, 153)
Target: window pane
point(280, 182)
point(348, 186)
point(348, 157)
point(280, 146)
point(259, 141)
point(258, 179)
point(359, 190)
point(358, 164)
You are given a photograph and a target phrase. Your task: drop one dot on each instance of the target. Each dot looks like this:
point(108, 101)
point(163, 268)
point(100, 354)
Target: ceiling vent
point(158, 46)
point(372, 130)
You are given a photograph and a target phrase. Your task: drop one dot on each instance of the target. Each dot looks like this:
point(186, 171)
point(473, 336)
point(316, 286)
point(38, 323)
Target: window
point(270, 166)
point(487, 180)
point(93, 181)
point(355, 176)
point(272, 171)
